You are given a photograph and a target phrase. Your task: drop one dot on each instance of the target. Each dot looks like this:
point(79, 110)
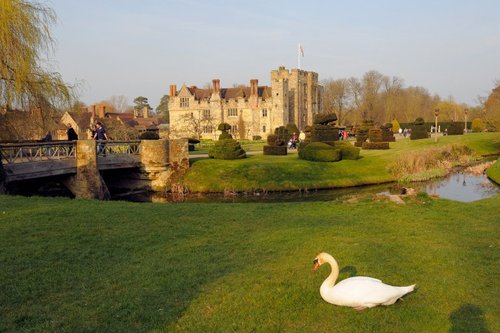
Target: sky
point(138, 48)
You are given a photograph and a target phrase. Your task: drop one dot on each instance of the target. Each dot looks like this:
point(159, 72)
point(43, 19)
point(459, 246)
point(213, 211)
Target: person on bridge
point(100, 134)
point(71, 133)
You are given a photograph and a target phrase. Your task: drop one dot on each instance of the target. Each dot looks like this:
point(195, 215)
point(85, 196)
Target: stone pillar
point(154, 155)
point(178, 154)
point(87, 184)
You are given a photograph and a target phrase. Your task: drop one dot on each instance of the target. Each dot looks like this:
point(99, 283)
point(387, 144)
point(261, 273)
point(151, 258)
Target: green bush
point(275, 150)
point(456, 128)
point(347, 150)
point(224, 127)
point(320, 152)
point(321, 133)
point(375, 135)
point(256, 138)
point(395, 126)
point(375, 145)
point(282, 136)
point(477, 125)
point(324, 118)
point(227, 149)
point(292, 128)
point(419, 130)
point(149, 136)
point(225, 136)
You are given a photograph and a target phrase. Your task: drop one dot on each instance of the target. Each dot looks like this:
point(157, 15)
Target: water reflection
point(461, 186)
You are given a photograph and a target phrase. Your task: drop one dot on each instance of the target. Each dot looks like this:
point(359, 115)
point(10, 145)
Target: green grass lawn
point(272, 173)
point(493, 172)
point(76, 265)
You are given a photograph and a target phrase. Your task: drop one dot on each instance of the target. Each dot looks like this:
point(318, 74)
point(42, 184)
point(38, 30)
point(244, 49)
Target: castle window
point(207, 129)
point(264, 129)
point(232, 112)
point(206, 114)
point(264, 112)
point(234, 128)
point(184, 102)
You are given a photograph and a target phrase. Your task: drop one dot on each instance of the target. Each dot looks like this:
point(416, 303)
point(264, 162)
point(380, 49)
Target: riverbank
point(78, 265)
point(259, 173)
point(493, 172)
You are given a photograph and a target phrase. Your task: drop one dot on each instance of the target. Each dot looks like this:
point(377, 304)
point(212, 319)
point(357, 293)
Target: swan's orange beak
point(316, 265)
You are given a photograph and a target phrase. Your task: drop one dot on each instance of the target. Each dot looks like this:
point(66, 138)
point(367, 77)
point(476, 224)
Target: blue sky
point(133, 48)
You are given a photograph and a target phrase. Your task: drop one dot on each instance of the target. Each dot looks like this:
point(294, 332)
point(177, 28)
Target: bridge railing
point(114, 147)
point(37, 151)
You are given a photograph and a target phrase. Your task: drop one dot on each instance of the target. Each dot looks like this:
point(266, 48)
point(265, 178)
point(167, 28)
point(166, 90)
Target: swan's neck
point(330, 280)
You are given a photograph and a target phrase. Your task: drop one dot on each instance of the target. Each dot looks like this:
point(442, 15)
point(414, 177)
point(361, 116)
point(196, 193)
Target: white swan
point(358, 292)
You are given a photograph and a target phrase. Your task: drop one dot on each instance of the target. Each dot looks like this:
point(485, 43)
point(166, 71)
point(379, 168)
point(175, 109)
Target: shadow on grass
point(351, 271)
point(468, 318)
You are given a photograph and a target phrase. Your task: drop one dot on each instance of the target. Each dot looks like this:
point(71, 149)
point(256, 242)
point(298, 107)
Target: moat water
point(459, 186)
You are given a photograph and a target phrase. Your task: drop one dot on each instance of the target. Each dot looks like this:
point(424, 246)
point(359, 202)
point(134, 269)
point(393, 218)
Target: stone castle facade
point(293, 97)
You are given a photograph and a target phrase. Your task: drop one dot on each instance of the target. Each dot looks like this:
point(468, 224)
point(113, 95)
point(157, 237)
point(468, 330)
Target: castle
point(252, 111)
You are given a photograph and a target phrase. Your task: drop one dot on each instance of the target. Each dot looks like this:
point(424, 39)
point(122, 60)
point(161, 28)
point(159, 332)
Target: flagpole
point(298, 55)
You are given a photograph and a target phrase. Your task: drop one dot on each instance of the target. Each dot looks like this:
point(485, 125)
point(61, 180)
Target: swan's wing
point(364, 290)
point(362, 278)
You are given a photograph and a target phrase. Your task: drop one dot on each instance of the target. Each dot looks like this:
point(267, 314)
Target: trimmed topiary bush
point(395, 126)
point(375, 145)
point(149, 136)
point(361, 136)
point(325, 118)
point(418, 130)
point(375, 135)
point(224, 128)
point(322, 133)
point(228, 149)
point(347, 150)
point(275, 150)
point(387, 133)
point(456, 128)
point(256, 138)
point(320, 152)
point(292, 128)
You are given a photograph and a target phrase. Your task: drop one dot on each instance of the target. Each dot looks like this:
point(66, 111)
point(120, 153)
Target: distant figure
point(302, 136)
point(71, 134)
point(100, 134)
point(345, 134)
point(47, 138)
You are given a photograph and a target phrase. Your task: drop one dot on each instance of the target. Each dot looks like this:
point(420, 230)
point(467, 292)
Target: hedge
point(320, 152)
point(347, 150)
point(275, 150)
point(375, 145)
point(228, 149)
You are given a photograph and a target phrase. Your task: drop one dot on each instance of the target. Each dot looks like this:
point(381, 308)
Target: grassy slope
point(69, 265)
point(493, 172)
point(288, 172)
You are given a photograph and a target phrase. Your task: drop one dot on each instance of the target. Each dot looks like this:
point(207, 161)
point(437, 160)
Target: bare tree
point(194, 123)
point(337, 97)
point(119, 102)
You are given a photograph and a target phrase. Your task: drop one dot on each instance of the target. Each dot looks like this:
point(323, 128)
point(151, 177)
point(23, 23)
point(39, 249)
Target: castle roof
point(82, 119)
point(230, 93)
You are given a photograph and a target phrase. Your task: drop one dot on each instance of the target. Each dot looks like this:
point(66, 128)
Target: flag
point(301, 50)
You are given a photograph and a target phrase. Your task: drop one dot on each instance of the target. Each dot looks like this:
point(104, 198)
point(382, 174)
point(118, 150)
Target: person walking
point(100, 135)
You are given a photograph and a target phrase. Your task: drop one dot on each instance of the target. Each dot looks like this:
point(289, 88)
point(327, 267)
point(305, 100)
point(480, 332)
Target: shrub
point(321, 133)
point(477, 125)
point(347, 150)
point(324, 118)
point(320, 152)
point(224, 127)
point(149, 136)
point(292, 128)
point(275, 150)
point(456, 128)
point(227, 149)
point(387, 134)
point(281, 135)
point(256, 138)
point(375, 135)
point(395, 126)
point(375, 145)
point(418, 130)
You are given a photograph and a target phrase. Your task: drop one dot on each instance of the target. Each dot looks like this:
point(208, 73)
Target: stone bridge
point(80, 164)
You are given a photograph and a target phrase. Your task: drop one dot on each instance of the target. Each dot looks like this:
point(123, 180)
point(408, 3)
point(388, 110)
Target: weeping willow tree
point(26, 44)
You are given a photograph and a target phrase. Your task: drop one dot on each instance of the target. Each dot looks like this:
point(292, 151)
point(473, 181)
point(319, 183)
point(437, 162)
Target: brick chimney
point(254, 87)
point(101, 111)
point(216, 84)
point(173, 90)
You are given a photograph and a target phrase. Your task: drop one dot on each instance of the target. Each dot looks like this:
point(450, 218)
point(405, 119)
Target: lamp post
point(466, 111)
point(436, 114)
